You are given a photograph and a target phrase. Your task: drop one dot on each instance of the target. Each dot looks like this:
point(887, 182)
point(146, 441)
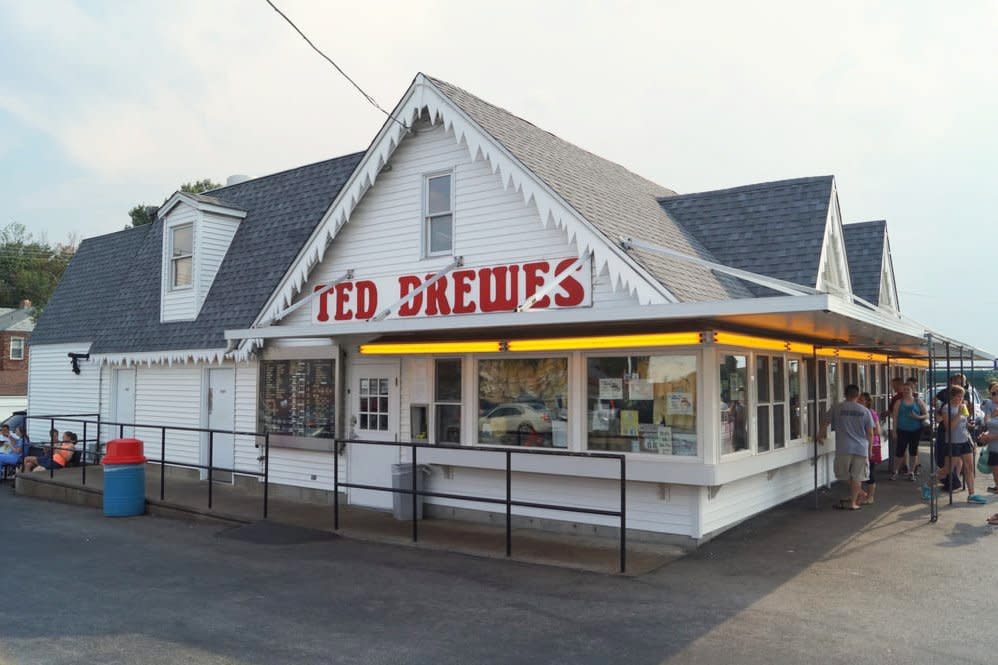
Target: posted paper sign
point(640, 389)
point(680, 404)
point(611, 389)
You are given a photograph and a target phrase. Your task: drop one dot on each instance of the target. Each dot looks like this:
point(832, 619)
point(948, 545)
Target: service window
point(447, 407)
point(734, 403)
point(523, 402)
point(642, 404)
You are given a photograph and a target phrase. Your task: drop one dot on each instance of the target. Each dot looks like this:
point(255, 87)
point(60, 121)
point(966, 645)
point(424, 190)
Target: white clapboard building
point(473, 279)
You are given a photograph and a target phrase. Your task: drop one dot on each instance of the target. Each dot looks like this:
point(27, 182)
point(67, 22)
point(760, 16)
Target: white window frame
point(694, 351)
point(20, 355)
point(427, 217)
point(173, 286)
point(432, 416)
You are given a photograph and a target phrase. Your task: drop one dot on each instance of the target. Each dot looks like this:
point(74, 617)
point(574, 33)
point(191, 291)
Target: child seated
point(57, 459)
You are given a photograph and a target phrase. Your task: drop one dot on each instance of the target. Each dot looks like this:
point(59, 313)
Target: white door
point(375, 406)
point(124, 402)
point(221, 405)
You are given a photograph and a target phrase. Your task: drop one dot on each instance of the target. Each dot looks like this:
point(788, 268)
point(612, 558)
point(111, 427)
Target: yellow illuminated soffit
point(606, 342)
point(764, 343)
point(848, 354)
point(910, 362)
point(411, 348)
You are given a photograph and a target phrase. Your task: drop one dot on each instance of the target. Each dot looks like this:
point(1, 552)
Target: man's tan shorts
point(852, 467)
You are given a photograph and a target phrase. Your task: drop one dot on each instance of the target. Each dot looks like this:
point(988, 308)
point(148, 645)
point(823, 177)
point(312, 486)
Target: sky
point(104, 105)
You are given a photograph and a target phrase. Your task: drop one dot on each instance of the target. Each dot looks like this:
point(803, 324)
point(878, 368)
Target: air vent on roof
point(236, 179)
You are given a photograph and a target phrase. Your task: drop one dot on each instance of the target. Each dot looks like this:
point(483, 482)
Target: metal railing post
point(623, 514)
point(817, 417)
point(336, 484)
point(266, 473)
point(121, 431)
point(84, 453)
point(931, 476)
point(162, 464)
point(509, 504)
point(415, 470)
point(51, 450)
point(211, 461)
point(949, 428)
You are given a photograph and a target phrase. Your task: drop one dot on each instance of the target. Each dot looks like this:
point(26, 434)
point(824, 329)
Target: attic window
point(438, 214)
point(182, 256)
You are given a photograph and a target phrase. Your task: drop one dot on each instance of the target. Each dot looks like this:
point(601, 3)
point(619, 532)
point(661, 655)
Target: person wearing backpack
point(908, 416)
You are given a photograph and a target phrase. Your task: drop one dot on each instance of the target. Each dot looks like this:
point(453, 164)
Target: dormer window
point(182, 256)
point(438, 214)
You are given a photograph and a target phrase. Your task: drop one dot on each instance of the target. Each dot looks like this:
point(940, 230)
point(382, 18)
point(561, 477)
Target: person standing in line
point(875, 452)
point(897, 385)
point(908, 415)
point(853, 425)
point(960, 450)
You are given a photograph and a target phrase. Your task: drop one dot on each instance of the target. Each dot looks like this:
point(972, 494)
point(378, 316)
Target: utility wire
point(368, 97)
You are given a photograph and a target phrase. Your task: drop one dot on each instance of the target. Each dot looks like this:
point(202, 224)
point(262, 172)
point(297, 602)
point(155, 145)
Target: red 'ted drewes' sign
point(461, 291)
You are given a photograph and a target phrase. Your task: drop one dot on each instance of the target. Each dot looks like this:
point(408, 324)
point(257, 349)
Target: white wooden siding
point(53, 388)
point(170, 396)
point(741, 499)
point(652, 507)
point(246, 452)
point(178, 305)
point(492, 225)
point(214, 235)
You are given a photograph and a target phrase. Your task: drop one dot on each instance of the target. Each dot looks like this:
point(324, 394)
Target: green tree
point(30, 267)
point(145, 214)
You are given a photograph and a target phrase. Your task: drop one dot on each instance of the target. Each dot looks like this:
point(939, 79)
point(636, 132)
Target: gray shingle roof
point(75, 312)
point(17, 320)
point(772, 228)
point(110, 292)
point(614, 200)
point(865, 253)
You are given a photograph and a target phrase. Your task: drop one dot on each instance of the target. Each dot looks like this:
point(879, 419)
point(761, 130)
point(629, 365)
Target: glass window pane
point(183, 241)
point(448, 423)
point(183, 271)
point(793, 380)
point(734, 408)
point(363, 386)
point(441, 236)
point(523, 402)
point(833, 380)
point(777, 379)
point(438, 195)
point(762, 378)
point(762, 428)
point(297, 397)
point(363, 421)
point(643, 404)
point(383, 423)
point(779, 430)
point(822, 379)
point(448, 380)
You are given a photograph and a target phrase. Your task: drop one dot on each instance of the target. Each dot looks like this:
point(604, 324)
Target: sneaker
point(976, 498)
point(894, 476)
point(911, 477)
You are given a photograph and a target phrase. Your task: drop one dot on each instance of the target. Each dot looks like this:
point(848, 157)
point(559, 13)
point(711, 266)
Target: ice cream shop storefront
point(712, 404)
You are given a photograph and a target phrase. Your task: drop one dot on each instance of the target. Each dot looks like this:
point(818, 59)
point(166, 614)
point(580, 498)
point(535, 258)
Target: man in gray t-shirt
point(853, 425)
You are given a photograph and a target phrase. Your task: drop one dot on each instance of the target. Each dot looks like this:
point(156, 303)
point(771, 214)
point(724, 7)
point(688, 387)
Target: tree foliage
point(145, 214)
point(30, 267)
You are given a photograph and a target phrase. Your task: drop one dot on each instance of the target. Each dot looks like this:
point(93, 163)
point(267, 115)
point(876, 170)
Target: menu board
point(298, 397)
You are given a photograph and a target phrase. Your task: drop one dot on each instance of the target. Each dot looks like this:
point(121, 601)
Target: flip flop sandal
point(844, 506)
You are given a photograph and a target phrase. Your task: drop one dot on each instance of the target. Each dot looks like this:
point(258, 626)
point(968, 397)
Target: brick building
point(15, 330)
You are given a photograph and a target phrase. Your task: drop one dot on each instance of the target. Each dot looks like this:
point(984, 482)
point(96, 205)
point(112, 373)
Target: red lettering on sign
point(408, 284)
point(462, 288)
point(499, 288)
point(343, 290)
point(323, 303)
point(436, 297)
point(367, 299)
point(535, 274)
point(574, 291)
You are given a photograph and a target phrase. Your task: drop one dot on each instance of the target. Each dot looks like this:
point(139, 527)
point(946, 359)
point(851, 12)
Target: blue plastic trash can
point(124, 478)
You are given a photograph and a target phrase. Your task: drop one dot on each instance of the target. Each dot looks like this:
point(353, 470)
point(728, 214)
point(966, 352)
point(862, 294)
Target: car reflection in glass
point(517, 424)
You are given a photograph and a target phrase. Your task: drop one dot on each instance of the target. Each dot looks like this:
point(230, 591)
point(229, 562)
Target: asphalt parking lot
point(791, 586)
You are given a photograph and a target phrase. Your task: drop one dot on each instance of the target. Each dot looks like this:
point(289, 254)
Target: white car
point(515, 422)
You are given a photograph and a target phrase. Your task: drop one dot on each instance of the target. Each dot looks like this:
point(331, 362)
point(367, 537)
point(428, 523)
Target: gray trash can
point(402, 480)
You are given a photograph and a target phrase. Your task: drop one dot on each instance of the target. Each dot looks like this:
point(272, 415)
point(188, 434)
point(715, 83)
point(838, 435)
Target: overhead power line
point(315, 48)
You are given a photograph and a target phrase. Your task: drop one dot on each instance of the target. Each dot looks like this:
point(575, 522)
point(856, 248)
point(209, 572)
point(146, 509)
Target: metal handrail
point(163, 462)
point(509, 502)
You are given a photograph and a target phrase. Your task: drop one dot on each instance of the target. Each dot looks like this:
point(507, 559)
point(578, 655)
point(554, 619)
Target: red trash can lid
point(124, 451)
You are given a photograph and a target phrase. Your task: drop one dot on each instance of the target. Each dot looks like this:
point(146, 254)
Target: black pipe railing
point(210, 467)
point(508, 501)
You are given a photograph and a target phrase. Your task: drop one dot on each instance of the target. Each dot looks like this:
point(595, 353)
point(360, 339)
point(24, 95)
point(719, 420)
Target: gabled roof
point(110, 293)
point(771, 228)
point(614, 200)
point(865, 251)
point(16, 320)
point(76, 312)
